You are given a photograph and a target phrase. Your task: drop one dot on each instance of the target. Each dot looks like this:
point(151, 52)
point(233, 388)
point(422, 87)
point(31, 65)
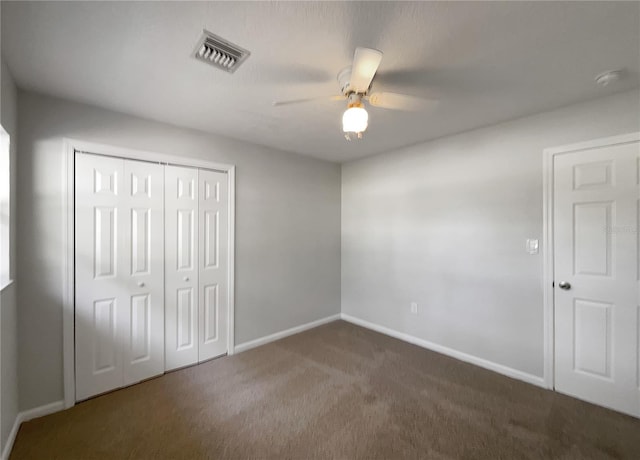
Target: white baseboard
point(282, 334)
point(25, 416)
point(495, 367)
point(11, 439)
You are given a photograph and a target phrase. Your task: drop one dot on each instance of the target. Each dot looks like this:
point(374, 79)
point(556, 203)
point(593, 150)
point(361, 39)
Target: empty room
point(319, 230)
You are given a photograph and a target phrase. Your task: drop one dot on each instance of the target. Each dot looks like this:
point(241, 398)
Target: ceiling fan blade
point(365, 65)
point(397, 101)
point(308, 99)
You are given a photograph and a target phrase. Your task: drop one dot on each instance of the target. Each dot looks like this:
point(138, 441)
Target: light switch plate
point(414, 308)
point(532, 246)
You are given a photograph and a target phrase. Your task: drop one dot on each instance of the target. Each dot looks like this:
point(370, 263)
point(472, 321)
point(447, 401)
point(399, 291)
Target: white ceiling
point(485, 61)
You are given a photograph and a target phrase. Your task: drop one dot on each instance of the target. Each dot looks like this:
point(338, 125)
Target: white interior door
point(119, 312)
point(101, 295)
point(144, 256)
point(213, 259)
point(596, 266)
point(181, 266)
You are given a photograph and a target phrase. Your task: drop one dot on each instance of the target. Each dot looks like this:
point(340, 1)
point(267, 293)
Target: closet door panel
point(144, 258)
point(101, 292)
point(213, 263)
point(181, 266)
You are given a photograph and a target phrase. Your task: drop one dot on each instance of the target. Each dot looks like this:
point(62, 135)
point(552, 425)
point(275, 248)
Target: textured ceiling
point(485, 61)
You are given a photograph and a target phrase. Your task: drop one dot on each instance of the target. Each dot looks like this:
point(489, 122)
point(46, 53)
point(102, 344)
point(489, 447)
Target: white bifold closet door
point(119, 233)
point(181, 267)
point(213, 259)
point(196, 261)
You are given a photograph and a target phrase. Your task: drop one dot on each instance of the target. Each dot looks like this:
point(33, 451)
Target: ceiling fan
point(355, 86)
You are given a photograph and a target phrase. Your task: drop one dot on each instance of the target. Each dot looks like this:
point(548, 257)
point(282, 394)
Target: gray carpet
point(338, 391)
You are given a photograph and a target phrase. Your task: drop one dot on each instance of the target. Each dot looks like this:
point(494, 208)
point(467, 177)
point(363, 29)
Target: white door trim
point(547, 237)
point(68, 208)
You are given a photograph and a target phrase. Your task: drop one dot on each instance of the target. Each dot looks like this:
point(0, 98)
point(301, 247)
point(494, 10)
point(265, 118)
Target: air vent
point(219, 52)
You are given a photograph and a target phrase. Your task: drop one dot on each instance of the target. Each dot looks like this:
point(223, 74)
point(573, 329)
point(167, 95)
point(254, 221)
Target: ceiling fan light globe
point(355, 120)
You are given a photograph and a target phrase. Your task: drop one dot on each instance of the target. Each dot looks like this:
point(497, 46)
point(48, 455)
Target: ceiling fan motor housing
point(354, 100)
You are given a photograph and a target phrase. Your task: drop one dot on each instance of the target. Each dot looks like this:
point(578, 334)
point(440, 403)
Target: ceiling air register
point(219, 52)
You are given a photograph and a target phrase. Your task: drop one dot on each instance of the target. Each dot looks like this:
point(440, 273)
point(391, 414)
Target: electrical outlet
point(414, 308)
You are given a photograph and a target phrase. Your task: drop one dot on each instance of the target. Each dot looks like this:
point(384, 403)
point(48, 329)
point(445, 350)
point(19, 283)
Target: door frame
point(71, 146)
point(547, 239)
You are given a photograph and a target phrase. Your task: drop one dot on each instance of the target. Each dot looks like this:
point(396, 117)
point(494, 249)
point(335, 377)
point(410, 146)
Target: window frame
point(5, 209)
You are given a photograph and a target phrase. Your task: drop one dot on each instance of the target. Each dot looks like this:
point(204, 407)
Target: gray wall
point(8, 312)
point(441, 223)
point(287, 228)
point(444, 224)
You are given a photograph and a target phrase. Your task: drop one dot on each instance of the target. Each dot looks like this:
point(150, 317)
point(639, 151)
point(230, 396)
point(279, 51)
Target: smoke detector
point(608, 77)
point(220, 53)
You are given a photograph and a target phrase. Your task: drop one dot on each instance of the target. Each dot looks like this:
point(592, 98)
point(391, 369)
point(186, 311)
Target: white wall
point(287, 228)
point(444, 224)
point(8, 312)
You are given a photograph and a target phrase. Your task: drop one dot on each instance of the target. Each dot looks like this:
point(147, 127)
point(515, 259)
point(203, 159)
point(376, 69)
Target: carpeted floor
point(338, 391)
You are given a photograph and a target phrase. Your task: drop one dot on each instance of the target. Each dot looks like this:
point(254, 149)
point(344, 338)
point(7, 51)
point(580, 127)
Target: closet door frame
point(71, 146)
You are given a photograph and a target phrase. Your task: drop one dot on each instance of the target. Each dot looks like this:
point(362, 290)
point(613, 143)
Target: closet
point(151, 268)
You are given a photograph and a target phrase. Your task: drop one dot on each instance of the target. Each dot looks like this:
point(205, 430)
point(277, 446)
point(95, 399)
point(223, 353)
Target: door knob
point(140, 283)
point(564, 285)
point(186, 278)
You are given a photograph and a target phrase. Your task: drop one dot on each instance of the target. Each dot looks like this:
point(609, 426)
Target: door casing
point(71, 146)
point(547, 238)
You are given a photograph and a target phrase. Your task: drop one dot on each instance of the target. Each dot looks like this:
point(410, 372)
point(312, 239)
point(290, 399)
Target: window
point(5, 207)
